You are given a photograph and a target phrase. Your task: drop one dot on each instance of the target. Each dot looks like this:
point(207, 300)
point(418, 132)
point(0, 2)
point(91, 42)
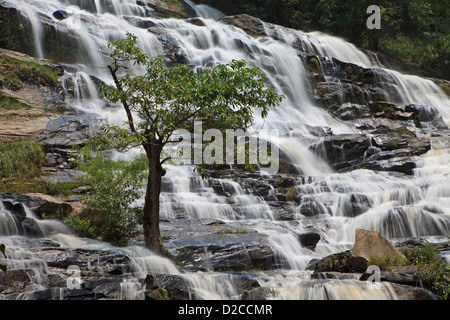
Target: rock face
point(402, 275)
point(369, 244)
point(64, 133)
point(101, 273)
point(62, 45)
point(40, 204)
point(38, 101)
point(342, 151)
point(251, 25)
point(230, 252)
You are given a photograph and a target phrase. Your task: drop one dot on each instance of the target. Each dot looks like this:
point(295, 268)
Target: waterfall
point(333, 204)
point(205, 11)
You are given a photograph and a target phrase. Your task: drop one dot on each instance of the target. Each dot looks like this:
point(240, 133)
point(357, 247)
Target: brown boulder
point(371, 244)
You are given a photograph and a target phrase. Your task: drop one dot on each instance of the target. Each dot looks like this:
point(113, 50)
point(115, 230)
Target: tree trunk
point(150, 218)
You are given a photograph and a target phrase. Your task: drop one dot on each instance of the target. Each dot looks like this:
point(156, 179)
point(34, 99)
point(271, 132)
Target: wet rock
point(402, 275)
point(311, 208)
point(342, 151)
point(16, 278)
point(406, 292)
point(175, 286)
point(196, 21)
point(168, 9)
point(69, 130)
point(230, 251)
point(40, 204)
point(350, 111)
point(340, 262)
point(263, 190)
point(251, 25)
point(31, 228)
point(309, 240)
point(107, 289)
point(140, 22)
point(319, 131)
point(260, 293)
point(284, 182)
point(60, 14)
point(15, 207)
point(404, 165)
point(172, 50)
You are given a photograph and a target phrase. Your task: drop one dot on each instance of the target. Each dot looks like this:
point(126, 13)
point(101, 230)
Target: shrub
point(432, 269)
point(112, 189)
point(9, 103)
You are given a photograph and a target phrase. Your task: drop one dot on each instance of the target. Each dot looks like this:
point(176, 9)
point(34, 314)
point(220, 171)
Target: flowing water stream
point(399, 207)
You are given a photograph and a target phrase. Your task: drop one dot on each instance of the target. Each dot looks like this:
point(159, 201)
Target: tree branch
point(113, 69)
point(165, 159)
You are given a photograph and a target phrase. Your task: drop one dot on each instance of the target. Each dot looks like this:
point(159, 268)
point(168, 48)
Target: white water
point(399, 207)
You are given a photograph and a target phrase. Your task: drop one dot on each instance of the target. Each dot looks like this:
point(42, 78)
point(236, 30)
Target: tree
point(162, 100)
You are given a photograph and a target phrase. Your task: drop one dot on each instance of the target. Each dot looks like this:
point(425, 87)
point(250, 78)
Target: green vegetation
point(432, 269)
point(169, 99)
point(112, 188)
point(15, 73)
point(416, 32)
point(3, 265)
point(21, 160)
point(37, 186)
point(21, 167)
point(161, 294)
point(9, 103)
point(15, 31)
point(387, 262)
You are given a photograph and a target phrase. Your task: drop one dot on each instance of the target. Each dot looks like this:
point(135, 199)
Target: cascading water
point(395, 206)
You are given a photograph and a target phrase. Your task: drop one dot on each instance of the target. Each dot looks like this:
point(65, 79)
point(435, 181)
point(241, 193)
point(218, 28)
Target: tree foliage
point(165, 100)
point(161, 100)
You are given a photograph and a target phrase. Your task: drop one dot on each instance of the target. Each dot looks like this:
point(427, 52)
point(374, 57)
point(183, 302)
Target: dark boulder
point(309, 240)
point(341, 262)
point(251, 25)
point(31, 228)
point(224, 251)
point(162, 286)
point(406, 292)
point(70, 130)
point(60, 14)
